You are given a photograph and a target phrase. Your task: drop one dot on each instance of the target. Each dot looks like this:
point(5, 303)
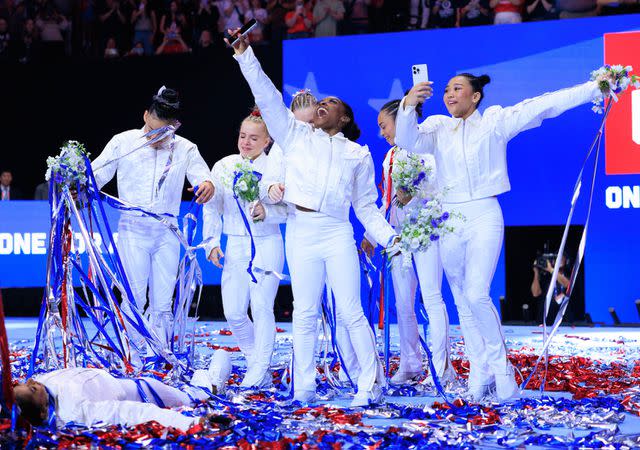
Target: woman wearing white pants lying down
point(470, 153)
point(326, 174)
point(256, 339)
point(405, 282)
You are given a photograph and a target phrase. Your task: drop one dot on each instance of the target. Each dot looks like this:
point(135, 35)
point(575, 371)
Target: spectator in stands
point(256, 11)
point(42, 191)
point(112, 22)
point(326, 15)
point(569, 9)
point(5, 40)
point(173, 42)
point(536, 10)
point(205, 45)
point(206, 19)
point(277, 10)
point(357, 16)
point(506, 11)
point(173, 20)
point(300, 20)
point(8, 192)
point(475, 12)
point(232, 13)
point(111, 49)
point(419, 12)
point(28, 47)
point(145, 25)
point(445, 14)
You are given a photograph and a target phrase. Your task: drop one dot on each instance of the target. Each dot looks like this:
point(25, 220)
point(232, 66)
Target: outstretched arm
point(410, 136)
point(531, 112)
point(280, 121)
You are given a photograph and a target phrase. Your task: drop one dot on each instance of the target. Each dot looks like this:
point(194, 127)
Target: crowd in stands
point(50, 29)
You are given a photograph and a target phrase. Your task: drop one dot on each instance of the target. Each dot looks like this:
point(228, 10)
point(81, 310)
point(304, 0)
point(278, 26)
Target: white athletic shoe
point(257, 379)
point(506, 386)
point(219, 371)
point(478, 392)
point(372, 397)
point(304, 396)
point(402, 377)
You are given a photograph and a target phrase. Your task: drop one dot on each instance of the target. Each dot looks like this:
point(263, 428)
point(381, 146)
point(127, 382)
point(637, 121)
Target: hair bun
point(168, 97)
point(484, 80)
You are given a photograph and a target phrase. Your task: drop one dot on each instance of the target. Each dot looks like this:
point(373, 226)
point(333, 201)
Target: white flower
point(242, 186)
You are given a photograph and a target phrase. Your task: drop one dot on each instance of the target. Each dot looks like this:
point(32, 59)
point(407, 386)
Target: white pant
point(469, 256)
point(150, 256)
point(323, 248)
point(256, 339)
point(429, 270)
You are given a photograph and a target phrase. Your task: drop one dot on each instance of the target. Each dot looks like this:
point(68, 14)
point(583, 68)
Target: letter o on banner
point(613, 196)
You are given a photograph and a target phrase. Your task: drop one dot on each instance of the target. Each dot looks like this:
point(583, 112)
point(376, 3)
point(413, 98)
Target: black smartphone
point(246, 29)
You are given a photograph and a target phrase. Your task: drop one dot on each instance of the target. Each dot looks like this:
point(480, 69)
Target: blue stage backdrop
point(523, 61)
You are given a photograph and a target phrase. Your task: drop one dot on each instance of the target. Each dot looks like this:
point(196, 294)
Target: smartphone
point(246, 29)
point(420, 73)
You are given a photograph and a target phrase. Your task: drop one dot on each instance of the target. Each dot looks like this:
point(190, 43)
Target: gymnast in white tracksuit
point(326, 173)
point(303, 106)
point(470, 153)
point(152, 177)
point(256, 339)
point(429, 273)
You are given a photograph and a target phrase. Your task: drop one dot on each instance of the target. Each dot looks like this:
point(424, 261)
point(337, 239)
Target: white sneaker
point(506, 386)
point(304, 396)
point(257, 379)
point(478, 392)
point(372, 397)
point(219, 371)
point(402, 377)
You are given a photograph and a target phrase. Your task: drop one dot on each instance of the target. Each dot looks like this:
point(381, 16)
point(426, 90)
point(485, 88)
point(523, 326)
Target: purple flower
point(413, 220)
point(421, 176)
point(445, 216)
point(607, 66)
point(434, 237)
point(435, 223)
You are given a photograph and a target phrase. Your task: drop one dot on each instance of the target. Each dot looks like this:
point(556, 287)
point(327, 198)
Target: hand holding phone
point(232, 39)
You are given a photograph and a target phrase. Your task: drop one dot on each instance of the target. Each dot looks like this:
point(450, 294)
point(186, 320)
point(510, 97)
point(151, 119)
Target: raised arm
point(364, 204)
point(531, 112)
point(410, 136)
point(280, 121)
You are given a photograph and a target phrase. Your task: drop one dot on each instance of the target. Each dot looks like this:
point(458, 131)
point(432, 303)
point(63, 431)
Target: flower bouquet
point(245, 183)
point(612, 80)
point(412, 175)
point(425, 222)
point(69, 166)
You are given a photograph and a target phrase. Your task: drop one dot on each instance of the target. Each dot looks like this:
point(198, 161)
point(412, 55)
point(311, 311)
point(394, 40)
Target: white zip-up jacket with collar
point(471, 154)
point(221, 214)
point(140, 171)
point(324, 173)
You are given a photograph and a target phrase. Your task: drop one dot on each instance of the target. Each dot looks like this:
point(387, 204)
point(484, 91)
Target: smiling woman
point(326, 173)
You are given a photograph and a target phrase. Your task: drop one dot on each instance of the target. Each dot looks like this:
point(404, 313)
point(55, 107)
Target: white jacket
point(471, 154)
point(224, 205)
point(92, 396)
point(396, 214)
point(324, 173)
point(140, 171)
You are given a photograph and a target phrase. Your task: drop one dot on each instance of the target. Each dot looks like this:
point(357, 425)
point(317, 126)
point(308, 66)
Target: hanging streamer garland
point(122, 332)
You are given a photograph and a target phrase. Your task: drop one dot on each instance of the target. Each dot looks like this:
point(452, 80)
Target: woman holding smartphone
point(326, 174)
point(470, 153)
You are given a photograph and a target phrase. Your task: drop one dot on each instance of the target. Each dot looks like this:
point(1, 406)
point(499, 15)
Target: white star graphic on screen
point(309, 83)
point(396, 92)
